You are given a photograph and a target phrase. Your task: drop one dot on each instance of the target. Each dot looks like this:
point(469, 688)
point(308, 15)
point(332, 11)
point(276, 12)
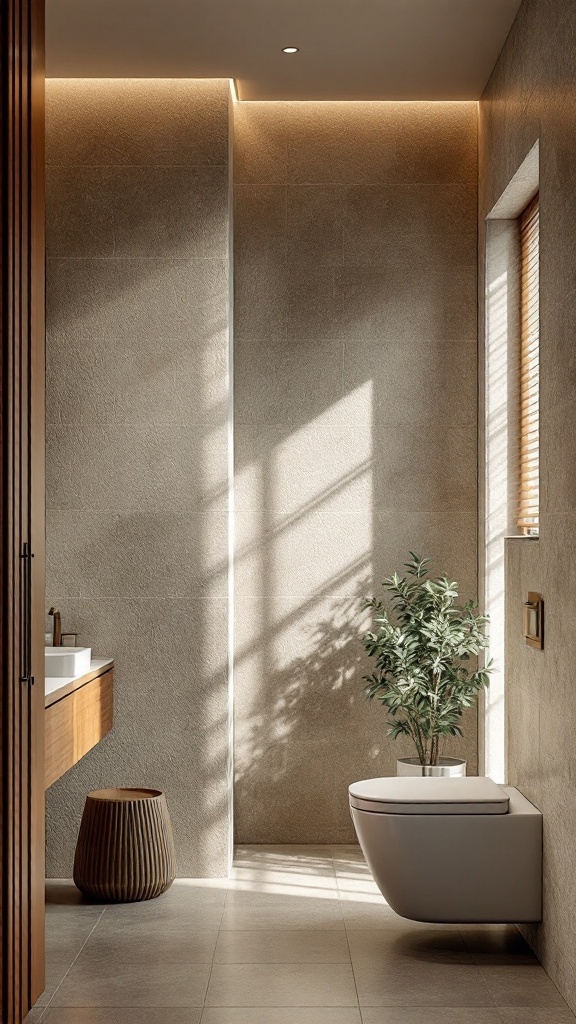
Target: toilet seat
point(470, 795)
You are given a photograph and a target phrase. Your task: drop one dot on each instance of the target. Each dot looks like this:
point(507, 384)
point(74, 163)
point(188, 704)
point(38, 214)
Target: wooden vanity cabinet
point(77, 718)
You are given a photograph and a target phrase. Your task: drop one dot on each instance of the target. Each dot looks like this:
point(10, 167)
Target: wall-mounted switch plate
point(534, 621)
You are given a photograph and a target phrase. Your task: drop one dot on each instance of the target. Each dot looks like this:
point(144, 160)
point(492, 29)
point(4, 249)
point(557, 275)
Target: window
point(529, 432)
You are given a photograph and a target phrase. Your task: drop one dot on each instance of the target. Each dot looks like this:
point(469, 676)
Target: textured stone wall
point(531, 96)
point(137, 349)
point(355, 331)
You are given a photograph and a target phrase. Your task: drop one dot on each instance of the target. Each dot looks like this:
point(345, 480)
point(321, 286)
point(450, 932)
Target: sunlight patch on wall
point(501, 325)
point(304, 544)
point(326, 465)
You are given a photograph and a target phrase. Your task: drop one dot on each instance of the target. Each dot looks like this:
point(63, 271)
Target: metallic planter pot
point(451, 767)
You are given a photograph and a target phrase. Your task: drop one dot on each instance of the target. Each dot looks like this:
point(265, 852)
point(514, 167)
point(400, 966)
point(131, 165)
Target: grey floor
point(297, 935)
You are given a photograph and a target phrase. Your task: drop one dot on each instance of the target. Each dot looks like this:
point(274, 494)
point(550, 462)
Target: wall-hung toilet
point(451, 849)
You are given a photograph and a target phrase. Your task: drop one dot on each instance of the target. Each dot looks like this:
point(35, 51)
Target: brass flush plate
point(534, 621)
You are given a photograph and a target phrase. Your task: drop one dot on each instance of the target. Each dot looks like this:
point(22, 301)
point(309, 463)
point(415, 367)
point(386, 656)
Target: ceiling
point(349, 49)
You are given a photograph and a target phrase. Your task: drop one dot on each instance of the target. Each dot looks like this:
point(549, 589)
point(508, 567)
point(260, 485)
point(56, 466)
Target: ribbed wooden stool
point(125, 849)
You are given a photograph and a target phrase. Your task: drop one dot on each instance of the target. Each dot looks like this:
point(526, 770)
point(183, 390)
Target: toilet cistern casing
point(451, 850)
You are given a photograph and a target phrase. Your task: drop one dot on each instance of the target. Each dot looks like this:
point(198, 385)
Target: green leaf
point(425, 648)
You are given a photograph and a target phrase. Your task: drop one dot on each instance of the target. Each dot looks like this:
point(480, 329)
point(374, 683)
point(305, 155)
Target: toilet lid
point(470, 795)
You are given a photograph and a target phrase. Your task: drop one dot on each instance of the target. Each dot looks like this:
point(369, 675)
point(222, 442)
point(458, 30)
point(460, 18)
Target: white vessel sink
point(68, 662)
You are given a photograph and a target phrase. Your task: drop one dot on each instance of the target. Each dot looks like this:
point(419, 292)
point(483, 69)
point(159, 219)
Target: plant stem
point(434, 747)
point(417, 738)
point(422, 746)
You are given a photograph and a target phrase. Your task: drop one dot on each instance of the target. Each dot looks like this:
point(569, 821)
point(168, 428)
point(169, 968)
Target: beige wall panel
point(532, 95)
point(355, 392)
point(137, 453)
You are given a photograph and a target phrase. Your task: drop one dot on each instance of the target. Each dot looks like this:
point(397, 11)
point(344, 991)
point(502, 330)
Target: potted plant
point(423, 643)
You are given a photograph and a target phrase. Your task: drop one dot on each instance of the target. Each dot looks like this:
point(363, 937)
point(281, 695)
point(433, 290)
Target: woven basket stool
point(125, 849)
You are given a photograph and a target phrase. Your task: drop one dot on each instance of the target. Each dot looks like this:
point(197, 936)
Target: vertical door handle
point(26, 557)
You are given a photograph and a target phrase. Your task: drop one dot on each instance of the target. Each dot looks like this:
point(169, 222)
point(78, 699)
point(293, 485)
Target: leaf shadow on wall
point(312, 702)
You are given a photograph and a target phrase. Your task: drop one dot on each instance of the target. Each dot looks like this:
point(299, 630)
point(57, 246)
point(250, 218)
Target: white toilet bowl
point(451, 849)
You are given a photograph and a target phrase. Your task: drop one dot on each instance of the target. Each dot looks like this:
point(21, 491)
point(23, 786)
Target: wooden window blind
point(529, 432)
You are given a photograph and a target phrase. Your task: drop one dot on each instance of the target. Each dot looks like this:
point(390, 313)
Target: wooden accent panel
point(21, 506)
point(76, 723)
point(37, 499)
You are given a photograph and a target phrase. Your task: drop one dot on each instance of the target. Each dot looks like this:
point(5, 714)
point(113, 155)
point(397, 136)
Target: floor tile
point(56, 971)
point(526, 985)
point(280, 1015)
point(353, 868)
point(420, 984)
point(497, 944)
point(161, 946)
point(281, 985)
point(292, 933)
point(429, 1015)
point(349, 859)
point(135, 985)
point(61, 893)
point(355, 876)
point(142, 917)
point(304, 860)
point(258, 900)
point(536, 1015)
point(422, 944)
point(182, 894)
point(373, 913)
point(209, 891)
point(360, 875)
point(297, 887)
point(281, 882)
point(310, 856)
point(176, 942)
point(68, 930)
point(257, 911)
point(346, 851)
point(363, 894)
point(282, 947)
point(306, 868)
point(348, 883)
point(121, 1015)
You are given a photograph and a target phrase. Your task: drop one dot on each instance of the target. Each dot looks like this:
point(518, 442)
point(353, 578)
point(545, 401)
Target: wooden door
point(22, 506)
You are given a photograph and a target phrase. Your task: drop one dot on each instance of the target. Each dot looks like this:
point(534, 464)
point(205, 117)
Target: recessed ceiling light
point(290, 49)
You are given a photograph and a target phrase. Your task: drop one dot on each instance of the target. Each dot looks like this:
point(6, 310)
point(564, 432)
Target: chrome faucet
point(56, 628)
